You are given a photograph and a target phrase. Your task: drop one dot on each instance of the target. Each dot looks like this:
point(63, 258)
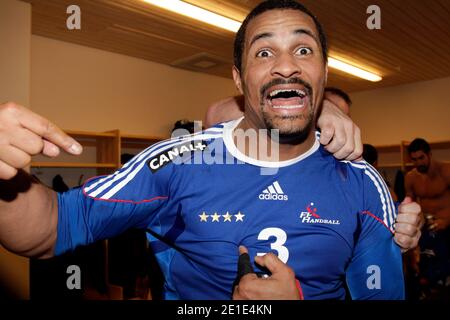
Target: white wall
point(82, 88)
point(15, 33)
point(389, 115)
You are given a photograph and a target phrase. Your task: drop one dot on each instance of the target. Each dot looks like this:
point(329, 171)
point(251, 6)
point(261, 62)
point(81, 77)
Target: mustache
point(278, 81)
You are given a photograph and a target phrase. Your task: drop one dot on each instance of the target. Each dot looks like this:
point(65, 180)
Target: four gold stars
point(227, 217)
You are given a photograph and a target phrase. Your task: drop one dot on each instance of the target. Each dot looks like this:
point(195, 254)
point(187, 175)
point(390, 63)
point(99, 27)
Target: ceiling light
point(197, 13)
point(209, 17)
point(348, 68)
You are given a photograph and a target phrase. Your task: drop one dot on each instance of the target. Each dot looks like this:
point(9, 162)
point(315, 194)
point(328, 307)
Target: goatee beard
point(291, 137)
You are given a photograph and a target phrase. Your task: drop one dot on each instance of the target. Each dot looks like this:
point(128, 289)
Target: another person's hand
point(438, 224)
point(339, 134)
point(408, 224)
point(281, 285)
point(24, 133)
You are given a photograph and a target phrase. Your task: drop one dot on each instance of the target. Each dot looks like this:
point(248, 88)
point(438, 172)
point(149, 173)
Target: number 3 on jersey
point(278, 244)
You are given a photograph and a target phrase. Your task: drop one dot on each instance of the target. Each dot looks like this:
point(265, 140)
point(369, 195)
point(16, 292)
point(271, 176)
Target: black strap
point(244, 267)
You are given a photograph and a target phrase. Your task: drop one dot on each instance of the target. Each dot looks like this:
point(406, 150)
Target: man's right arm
point(224, 110)
point(28, 216)
point(28, 210)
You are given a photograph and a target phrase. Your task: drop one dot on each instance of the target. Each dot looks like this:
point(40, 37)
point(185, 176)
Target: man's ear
point(237, 79)
point(326, 73)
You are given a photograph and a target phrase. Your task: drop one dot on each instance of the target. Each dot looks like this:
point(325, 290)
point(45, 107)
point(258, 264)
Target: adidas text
point(273, 196)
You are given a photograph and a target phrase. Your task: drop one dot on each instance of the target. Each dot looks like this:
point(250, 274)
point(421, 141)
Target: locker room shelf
point(108, 148)
point(400, 153)
point(138, 141)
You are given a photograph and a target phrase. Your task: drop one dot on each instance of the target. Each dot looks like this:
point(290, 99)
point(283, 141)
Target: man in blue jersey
point(337, 103)
point(310, 219)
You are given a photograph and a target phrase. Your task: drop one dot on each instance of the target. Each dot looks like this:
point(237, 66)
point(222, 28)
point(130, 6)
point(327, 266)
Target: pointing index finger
point(49, 131)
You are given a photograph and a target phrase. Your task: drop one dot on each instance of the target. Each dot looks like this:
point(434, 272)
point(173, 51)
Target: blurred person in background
point(429, 184)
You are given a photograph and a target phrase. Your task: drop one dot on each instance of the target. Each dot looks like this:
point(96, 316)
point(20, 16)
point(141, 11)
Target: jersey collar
point(228, 140)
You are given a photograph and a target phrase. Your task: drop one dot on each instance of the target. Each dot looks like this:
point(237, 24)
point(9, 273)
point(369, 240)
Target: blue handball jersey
point(200, 198)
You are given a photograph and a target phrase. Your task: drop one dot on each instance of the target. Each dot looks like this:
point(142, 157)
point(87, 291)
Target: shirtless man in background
point(429, 184)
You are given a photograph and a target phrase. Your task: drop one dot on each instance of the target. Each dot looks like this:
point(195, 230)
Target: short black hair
point(268, 5)
point(370, 153)
point(184, 124)
point(339, 93)
point(419, 144)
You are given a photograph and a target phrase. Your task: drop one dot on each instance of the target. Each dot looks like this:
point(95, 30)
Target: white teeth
point(301, 93)
point(298, 106)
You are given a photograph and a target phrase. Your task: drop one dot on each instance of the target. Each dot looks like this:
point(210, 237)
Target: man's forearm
point(28, 216)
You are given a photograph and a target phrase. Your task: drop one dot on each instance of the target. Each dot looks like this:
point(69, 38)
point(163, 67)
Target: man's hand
point(339, 134)
point(281, 285)
point(408, 224)
point(23, 134)
point(439, 224)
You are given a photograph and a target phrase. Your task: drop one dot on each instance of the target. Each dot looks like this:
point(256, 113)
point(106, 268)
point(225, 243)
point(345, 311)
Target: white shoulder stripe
point(162, 144)
point(131, 172)
point(157, 146)
point(103, 184)
point(359, 165)
point(382, 197)
point(213, 129)
point(380, 185)
point(390, 203)
point(130, 163)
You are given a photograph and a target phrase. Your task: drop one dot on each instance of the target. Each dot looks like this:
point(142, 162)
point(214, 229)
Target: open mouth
point(287, 98)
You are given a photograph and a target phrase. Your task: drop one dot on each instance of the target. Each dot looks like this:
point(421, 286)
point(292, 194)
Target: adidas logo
point(273, 192)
